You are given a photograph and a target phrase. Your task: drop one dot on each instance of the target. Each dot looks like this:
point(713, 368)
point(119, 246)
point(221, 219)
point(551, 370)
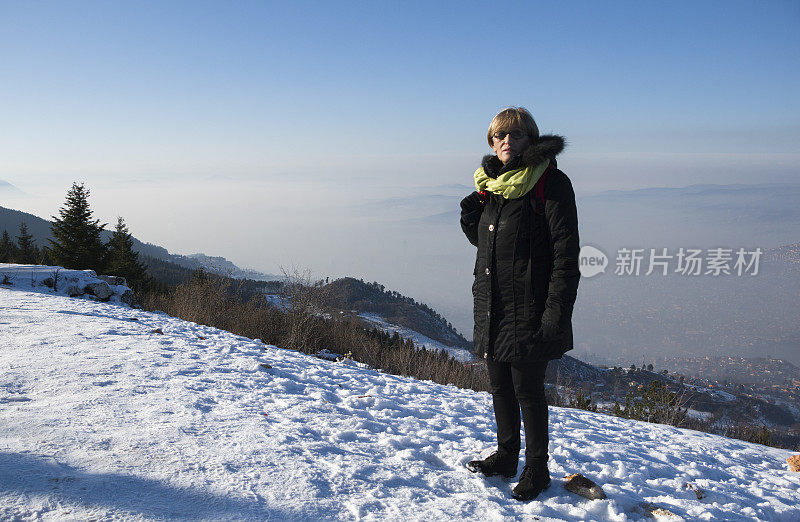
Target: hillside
point(350, 294)
point(110, 412)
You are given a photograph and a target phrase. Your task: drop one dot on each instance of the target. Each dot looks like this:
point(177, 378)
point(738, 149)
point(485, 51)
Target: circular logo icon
point(591, 261)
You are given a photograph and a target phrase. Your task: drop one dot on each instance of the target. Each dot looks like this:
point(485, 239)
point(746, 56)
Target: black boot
point(495, 464)
point(534, 480)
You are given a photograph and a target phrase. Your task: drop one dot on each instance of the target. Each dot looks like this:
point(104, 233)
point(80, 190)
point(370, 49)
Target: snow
point(698, 414)
point(717, 394)
point(460, 354)
point(102, 418)
point(277, 301)
point(55, 280)
point(725, 395)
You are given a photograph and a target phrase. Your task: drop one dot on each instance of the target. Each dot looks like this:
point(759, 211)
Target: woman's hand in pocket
point(548, 332)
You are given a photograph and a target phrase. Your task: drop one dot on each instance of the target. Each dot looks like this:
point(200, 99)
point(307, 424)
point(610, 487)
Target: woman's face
point(509, 144)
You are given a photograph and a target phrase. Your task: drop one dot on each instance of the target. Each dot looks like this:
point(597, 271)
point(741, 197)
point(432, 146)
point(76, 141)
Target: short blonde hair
point(513, 118)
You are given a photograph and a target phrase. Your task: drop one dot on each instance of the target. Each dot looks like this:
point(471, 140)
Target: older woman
point(524, 222)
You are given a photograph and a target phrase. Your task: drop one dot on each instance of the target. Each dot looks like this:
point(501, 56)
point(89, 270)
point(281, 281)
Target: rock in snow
point(697, 491)
point(584, 487)
point(113, 280)
point(655, 511)
point(100, 290)
point(101, 419)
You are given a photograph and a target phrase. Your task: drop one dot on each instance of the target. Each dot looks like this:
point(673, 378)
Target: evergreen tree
point(121, 260)
point(77, 242)
point(27, 253)
point(8, 250)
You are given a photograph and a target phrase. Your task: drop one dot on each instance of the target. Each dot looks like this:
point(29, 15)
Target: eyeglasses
point(516, 134)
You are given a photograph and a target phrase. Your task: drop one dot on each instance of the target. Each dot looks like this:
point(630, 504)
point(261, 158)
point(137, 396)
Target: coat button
point(489, 313)
point(491, 228)
point(487, 271)
point(485, 355)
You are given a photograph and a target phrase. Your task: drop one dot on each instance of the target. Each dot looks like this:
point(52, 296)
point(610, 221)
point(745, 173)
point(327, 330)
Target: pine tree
point(77, 242)
point(27, 253)
point(121, 260)
point(8, 250)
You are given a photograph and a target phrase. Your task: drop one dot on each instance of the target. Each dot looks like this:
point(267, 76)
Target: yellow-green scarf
point(512, 184)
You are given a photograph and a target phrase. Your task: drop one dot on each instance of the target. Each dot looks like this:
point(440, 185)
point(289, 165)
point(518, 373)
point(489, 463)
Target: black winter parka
point(526, 268)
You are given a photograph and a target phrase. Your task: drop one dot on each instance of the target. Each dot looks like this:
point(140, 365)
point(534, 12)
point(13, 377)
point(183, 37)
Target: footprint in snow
point(205, 405)
point(4, 400)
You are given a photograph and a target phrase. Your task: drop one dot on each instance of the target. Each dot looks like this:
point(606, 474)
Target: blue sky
point(288, 121)
point(245, 88)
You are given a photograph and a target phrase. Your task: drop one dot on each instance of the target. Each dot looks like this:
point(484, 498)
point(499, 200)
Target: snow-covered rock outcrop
point(61, 281)
point(103, 417)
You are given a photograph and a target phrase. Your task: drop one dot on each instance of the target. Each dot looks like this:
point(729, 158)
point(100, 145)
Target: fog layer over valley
point(627, 317)
point(408, 239)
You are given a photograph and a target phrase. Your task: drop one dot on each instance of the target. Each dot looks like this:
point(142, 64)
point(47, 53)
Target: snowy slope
point(420, 340)
point(102, 417)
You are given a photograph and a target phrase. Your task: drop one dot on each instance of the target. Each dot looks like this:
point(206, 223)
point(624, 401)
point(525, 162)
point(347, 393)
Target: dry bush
point(301, 303)
point(757, 434)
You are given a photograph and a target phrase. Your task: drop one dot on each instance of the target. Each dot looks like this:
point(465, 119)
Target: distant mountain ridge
point(701, 189)
point(221, 265)
point(7, 188)
point(39, 228)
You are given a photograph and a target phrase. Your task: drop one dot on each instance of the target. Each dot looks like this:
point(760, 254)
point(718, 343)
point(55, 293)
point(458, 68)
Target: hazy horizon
point(428, 258)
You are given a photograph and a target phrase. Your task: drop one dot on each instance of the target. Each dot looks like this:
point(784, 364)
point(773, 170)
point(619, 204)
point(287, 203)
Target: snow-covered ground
point(103, 417)
point(460, 354)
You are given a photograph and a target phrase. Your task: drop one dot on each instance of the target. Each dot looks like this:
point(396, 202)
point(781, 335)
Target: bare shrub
point(301, 303)
point(582, 401)
point(56, 275)
point(757, 434)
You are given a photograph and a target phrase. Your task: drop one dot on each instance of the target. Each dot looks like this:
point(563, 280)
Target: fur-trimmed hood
point(547, 146)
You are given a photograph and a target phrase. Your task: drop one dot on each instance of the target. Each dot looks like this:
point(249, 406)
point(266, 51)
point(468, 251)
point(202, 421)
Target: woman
point(523, 220)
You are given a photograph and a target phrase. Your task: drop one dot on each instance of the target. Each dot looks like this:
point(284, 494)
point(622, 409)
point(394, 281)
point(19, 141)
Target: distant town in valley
point(745, 391)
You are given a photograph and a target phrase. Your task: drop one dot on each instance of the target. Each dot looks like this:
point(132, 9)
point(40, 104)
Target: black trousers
point(516, 387)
